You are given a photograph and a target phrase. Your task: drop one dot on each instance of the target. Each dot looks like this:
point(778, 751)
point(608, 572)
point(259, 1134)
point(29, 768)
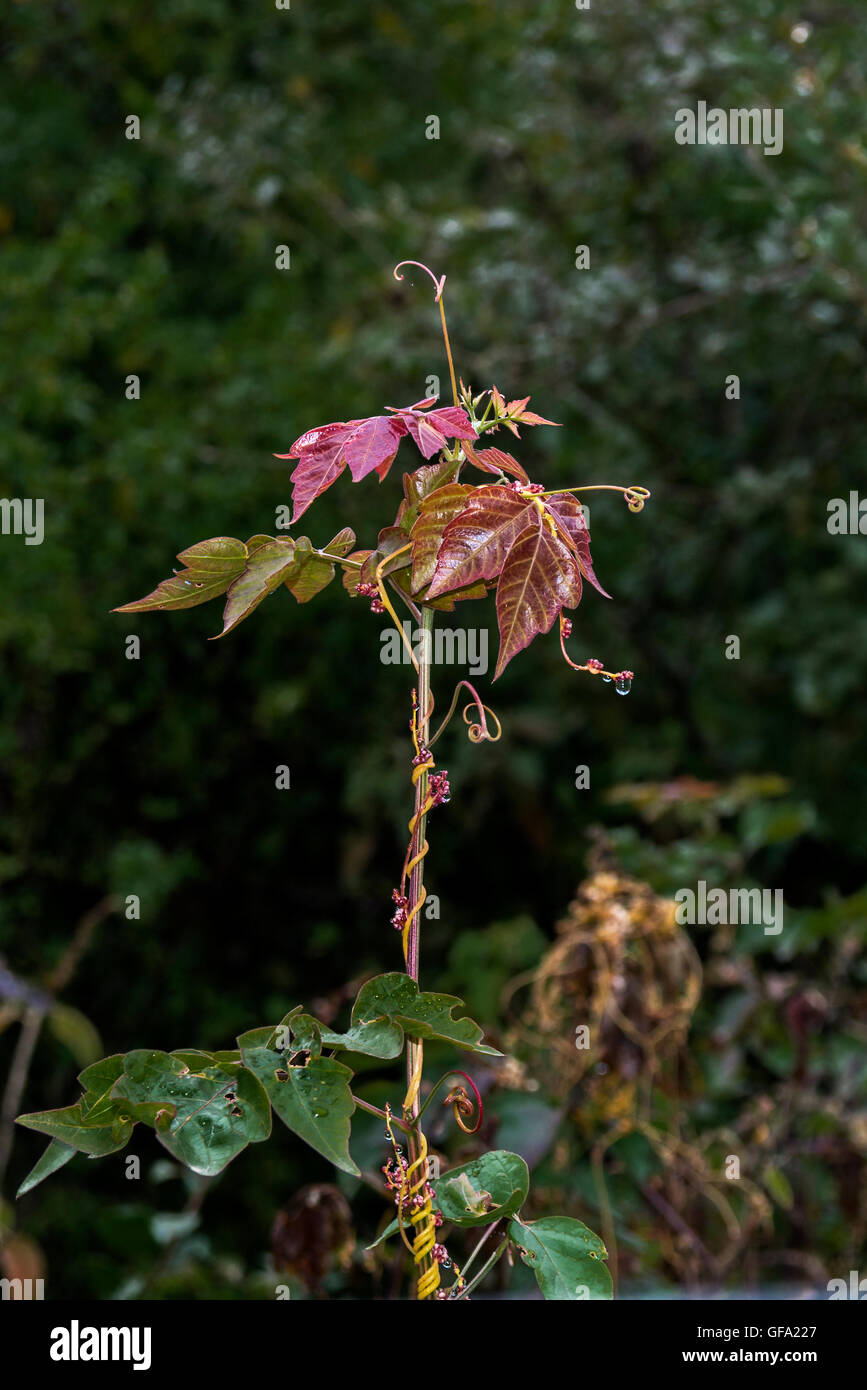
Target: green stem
point(489, 1264)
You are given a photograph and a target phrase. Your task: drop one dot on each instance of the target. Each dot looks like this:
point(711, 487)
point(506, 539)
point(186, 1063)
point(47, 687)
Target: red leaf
point(452, 421)
point(539, 578)
point(496, 461)
point(373, 446)
point(436, 512)
point(475, 544)
point(316, 470)
point(428, 438)
point(529, 417)
point(368, 446)
point(570, 516)
point(314, 438)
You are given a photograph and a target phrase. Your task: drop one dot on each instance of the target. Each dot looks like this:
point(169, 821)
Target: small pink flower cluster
point(370, 591)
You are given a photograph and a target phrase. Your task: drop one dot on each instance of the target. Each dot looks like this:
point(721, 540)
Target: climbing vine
point(451, 540)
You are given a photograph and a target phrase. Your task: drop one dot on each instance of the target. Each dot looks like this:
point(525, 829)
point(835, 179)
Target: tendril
point(440, 284)
point(477, 732)
point(622, 679)
point(633, 495)
point(462, 1104)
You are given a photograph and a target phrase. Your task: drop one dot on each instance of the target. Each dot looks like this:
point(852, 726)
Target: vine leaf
point(390, 1005)
point(436, 511)
point(313, 1100)
point(211, 566)
point(539, 578)
point(496, 461)
point(101, 1132)
point(204, 1117)
point(368, 446)
point(479, 1192)
point(268, 565)
point(477, 539)
point(95, 1124)
point(570, 516)
point(565, 1256)
point(55, 1157)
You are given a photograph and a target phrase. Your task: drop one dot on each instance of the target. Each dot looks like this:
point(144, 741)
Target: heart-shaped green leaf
point(567, 1259)
point(494, 1185)
point(313, 1099)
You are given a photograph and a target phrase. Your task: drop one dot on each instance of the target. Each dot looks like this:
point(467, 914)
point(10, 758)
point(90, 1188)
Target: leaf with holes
point(203, 1116)
point(567, 1259)
point(313, 1100)
point(210, 567)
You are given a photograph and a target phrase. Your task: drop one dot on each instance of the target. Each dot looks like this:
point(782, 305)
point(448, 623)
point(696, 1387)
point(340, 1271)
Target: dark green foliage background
point(307, 127)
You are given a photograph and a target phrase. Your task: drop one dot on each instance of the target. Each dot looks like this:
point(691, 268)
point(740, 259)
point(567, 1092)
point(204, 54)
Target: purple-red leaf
point(539, 578)
point(570, 517)
point(368, 446)
point(476, 542)
point(318, 467)
point(373, 445)
point(437, 510)
point(496, 461)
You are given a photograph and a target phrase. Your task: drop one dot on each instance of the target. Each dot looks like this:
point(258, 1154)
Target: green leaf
point(342, 543)
point(565, 1256)
point(102, 1131)
point(390, 1230)
point(265, 570)
point(391, 1005)
point(204, 1117)
point(211, 566)
point(55, 1157)
point(313, 1100)
point(494, 1185)
point(309, 574)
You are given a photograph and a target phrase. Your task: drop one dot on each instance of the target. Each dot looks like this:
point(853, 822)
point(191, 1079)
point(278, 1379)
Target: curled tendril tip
point(439, 284)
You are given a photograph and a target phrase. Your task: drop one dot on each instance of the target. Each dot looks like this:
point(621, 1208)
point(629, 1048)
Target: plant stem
point(488, 1233)
point(448, 352)
point(488, 1265)
point(414, 1050)
point(375, 1110)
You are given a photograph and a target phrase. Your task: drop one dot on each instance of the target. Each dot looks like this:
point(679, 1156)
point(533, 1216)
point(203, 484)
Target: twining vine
point(450, 541)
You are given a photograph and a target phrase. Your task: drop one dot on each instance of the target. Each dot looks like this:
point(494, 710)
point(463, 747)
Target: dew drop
point(607, 679)
point(623, 686)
